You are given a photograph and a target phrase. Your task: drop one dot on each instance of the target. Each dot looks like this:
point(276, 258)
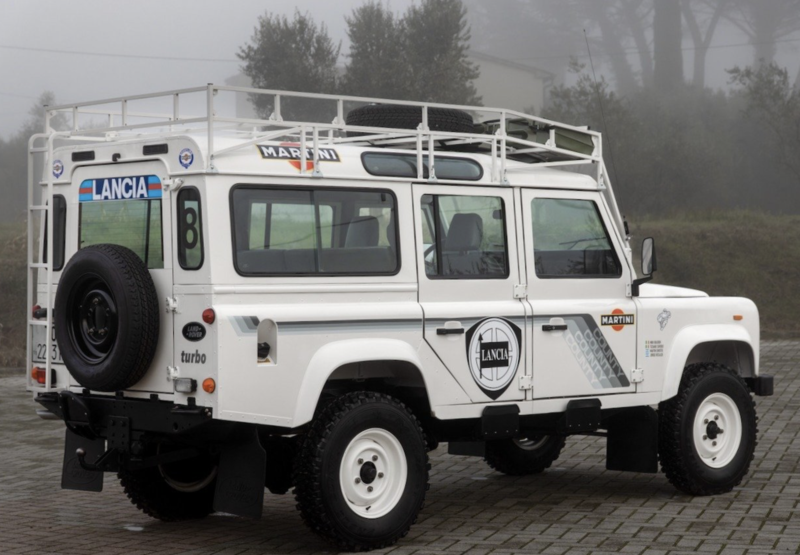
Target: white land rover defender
point(225, 305)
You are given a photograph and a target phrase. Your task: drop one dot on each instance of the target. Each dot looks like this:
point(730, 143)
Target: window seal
point(257, 186)
point(199, 228)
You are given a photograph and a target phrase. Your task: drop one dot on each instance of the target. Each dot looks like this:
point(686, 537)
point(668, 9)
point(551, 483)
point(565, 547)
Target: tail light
point(209, 316)
point(39, 375)
point(38, 312)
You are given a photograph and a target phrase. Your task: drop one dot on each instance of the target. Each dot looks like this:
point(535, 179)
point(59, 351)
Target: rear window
point(135, 224)
point(314, 232)
point(405, 165)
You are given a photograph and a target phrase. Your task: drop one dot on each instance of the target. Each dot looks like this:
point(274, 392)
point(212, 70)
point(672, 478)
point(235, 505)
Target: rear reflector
point(209, 386)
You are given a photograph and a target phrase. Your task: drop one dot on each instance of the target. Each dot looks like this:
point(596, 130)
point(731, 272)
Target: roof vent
point(150, 150)
point(85, 156)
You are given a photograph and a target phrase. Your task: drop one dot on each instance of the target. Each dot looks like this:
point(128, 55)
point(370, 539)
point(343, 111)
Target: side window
point(467, 237)
point(59, 232)
point(571, 241)
point(314, 232)
point(190, 229)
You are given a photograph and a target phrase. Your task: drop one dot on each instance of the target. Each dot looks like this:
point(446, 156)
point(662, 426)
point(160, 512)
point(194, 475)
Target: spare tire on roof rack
point(408, 117)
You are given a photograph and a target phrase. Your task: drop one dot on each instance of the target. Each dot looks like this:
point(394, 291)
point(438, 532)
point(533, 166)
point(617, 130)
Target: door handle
point(449, 331)
point(554, 327)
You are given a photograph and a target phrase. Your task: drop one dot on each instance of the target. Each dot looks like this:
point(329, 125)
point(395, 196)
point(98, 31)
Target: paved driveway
point(576, 507)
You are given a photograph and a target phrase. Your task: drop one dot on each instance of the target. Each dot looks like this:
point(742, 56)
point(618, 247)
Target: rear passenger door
point(468, 269)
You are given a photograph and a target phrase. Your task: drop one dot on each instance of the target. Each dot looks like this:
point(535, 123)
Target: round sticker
point(186, 157)
point(58, 169)
point(493, 354)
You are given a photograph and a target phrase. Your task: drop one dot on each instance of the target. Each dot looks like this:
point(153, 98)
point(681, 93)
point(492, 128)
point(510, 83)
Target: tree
point(765, 23)
point(436, 42)
point(667, 52)
point(772, 100)
point(702, 31)
point(377, 62)
point(294, 55)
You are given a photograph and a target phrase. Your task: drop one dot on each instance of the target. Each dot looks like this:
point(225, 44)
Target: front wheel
point(707, 433)
point(362, 471)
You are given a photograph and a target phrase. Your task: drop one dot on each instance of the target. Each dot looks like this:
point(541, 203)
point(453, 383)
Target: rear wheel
point(362, 471)
point(707, 433)
point(523, 456)
point(182, 490)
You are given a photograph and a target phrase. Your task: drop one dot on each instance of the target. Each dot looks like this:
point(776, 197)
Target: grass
point(740, 253)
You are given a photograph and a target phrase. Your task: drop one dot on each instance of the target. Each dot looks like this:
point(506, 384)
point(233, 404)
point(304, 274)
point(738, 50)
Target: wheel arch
point(726, 344)
point(358, 359)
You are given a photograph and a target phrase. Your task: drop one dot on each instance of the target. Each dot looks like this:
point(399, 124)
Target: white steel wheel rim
point(531, 444)
point(717, 430)
point(373, 473)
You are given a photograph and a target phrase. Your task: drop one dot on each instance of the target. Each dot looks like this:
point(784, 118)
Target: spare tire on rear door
point(106, 317)
point(409, 117)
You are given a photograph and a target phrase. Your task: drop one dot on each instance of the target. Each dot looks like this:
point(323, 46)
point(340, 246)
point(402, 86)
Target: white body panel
point(385, 326)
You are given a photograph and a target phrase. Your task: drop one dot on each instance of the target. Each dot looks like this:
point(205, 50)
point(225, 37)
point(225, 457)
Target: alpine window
point(405, 165)
point(464, 237)
point(314, 231)
point(59, 232)
point(570, 240)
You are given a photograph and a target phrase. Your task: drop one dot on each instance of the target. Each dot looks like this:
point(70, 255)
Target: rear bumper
point(762, 385)
point(100, 416)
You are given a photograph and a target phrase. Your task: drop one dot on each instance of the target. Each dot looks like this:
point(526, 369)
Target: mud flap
point(240, 481)
point(73, 475)
point(633, 440)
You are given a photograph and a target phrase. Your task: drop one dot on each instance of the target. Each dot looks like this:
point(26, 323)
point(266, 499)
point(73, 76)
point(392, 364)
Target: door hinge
point(173, 184)
point(520, 290)
point(172, 373)
point(637, 376)
point(172, 304)
point(526, 382)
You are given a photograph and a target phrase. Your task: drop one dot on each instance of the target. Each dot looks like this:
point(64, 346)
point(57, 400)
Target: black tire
point(109, 349)
point(153, 490)
point(318, 488)
point(681, 461)
point(409, 117)
point(525, 456)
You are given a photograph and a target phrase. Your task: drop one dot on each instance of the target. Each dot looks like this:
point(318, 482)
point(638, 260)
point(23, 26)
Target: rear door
point(468, 269)
point(124, 204)
point(584, 323)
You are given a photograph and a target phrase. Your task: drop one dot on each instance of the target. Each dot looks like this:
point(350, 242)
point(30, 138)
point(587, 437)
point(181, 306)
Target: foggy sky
point(210, 29)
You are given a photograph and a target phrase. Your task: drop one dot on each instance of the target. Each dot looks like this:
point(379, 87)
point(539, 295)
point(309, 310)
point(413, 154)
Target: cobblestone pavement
point(577, 507)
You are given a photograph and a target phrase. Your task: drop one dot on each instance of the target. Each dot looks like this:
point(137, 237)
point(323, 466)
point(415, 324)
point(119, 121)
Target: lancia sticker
point(194, 331)
point(120, 188)
point(58, 168)
point(617, 319)
point(663, 318)
point(493, 354)
point(186, 157)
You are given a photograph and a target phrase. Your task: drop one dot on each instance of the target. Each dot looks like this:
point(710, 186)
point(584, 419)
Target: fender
point(689, 338)
point(334, 355)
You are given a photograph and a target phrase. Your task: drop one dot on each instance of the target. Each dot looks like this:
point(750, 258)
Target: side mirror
point(648, 265)
point(648, 256)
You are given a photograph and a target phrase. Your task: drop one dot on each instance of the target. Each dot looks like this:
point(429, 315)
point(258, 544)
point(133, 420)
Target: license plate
point(39, 346)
